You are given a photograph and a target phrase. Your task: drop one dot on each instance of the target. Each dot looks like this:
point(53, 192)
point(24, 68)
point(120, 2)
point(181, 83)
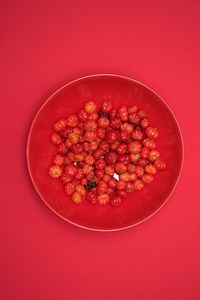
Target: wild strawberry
point(152, 132)
point(76, 198)
point(147, 178)
point(61, 148)
point(153, 155)
point(102, 187)
point(124, 177)
point(116, 201)
point(103, 199)
point(111, 157)
point(74, 138)
point(87, 169)
point(139, 171)
point(134, 119)
point(122, 148)
point(138, 184)
point(159, 164)
point(132, 109)
point(103, 122)
point(71, 170)
point(115, 123)
point(65, 178)
point(145, 152)
point(100, 164)
point(134, 147)
point(80, 189)
point(82, 115)
point(101, 133)
point(59, 160)
point(106, 106)
point(137, 135)
point(90, 135)
point(90, 125)
point(129, 187)
point(69, 188)
point(60, 125)
point(126, 127)
point(150, 169)
point(55, 138)
point(120, 185)
point(144, 123)
point(120, 168)
point(91, 197)
point(90, 107)
point(55, 171)
point(109, 170)
point(149, 143)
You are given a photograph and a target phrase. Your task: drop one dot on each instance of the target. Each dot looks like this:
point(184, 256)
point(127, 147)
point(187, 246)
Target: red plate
point(140, 205)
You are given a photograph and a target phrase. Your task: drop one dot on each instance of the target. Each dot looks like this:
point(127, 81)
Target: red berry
point(111, 136)
point(82, 115)
point(101, 133)
point(137, 135)
point(153, 155)
point(142, 162)
point(78, 148)
point(132, 109)
point(71, 170)
point(122, 193)
point(129, 187)
point(113, 114)
point(93, 116)
point(152, 132)
point(59, 160)
point(134, 119)
point(124, 136)
point(98, 153)
point(55, 138)
point(69, 188)
point(144, 123)
point(60, 125)
point(90, 125)
point(120, 168)
point(132, 177)
point(102, 187)
point(139, 171)
point(99, 173)
point(124, 158)
point(55, 171)
point(134, 147)
point(80, 189)
point(138, 184)
point(87, 169)
point(135, 157)
point(90, 107)
point(150, 169)
point(103, 122)
point(142, 114)
point(65, 178)
point(89, 159)
point(120, 185)
point(122, 148)
point(116, 201)
point(90, 135)
point(159, 164)
point(76, 198)
point(124, 177)
point(91, 197)
point(100, 164)
point(111, 157)
point(79, 174)
point(109, 170)
point(106, 178)
point(147, 178)
point(78, 157)
point(61, 148)
point(112, 183)
point(149, 143)
point(74, 138)
point(126, 127)
point(145, 152)
point(103, 199)
point(115, 123)
point(72, 121)
point(131, 168)
point(106, 106)
point(123, 113)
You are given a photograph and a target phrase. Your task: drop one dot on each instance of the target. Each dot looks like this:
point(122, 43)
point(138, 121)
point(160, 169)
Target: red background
point(44, 45)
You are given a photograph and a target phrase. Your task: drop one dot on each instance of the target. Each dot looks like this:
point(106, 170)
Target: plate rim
point(46, 102)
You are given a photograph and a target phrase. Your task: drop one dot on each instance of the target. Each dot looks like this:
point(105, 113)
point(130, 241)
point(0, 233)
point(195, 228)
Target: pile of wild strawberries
point(105, 154)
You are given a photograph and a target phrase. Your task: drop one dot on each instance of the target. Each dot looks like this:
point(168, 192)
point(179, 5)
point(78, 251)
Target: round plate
point(139, 205)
